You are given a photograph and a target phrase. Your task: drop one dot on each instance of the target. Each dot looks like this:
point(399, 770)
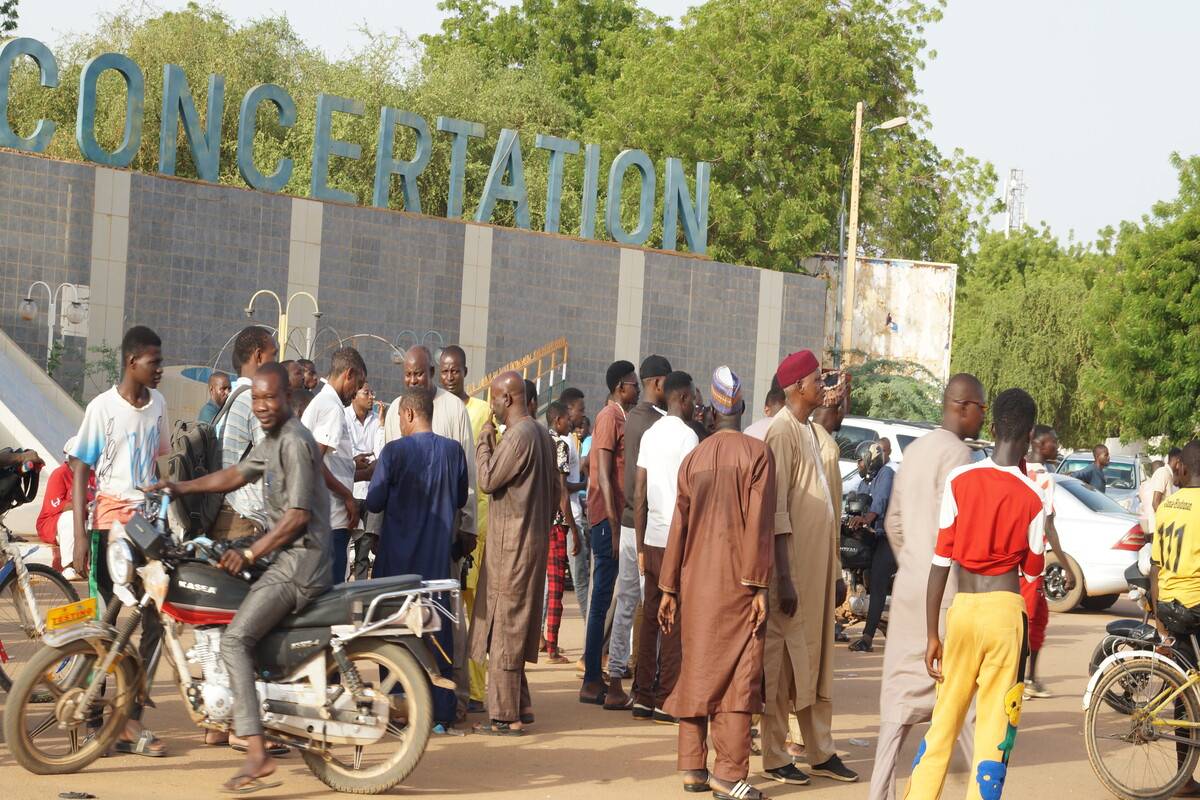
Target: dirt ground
point(582, 752)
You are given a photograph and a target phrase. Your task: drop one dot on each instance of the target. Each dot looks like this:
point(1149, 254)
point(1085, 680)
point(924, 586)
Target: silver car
point(1122, 477)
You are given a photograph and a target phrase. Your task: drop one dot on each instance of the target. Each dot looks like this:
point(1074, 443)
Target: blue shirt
point(1091, 474)
point(209, 411)
point(880, 489)
point(420, 483)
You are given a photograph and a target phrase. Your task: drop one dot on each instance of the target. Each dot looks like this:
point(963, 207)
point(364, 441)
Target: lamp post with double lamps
point(285, 309)
point(76, 311)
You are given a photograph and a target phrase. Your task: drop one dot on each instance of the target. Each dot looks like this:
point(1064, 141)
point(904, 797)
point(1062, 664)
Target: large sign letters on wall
point(505, 180)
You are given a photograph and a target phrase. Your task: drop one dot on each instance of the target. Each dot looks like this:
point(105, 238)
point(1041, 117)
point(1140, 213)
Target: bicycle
point(27, 591)
point(1142, 723)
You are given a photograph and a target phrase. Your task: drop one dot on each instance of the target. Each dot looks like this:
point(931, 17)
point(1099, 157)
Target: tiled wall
point(196, 252)
point(45, 234)
point(385, 273)
point(196, 255)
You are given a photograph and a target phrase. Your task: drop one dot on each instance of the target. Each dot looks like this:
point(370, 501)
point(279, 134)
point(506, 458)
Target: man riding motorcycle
point(289, 463)
point(876, 482)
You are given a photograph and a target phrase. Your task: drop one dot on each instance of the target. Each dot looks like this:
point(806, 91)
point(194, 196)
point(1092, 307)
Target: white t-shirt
point(1163, 480)
point(573, 475)
point(325, 418)
point(121, 442)
point(664, 446)
point(366, 437)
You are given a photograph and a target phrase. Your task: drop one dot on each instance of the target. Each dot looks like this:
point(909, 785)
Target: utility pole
point(850, 261)
point(1014, 201)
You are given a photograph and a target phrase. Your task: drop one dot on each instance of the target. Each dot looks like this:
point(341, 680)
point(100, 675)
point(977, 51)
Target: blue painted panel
point(85, 120)
point(205, 142)
point(638, 160)
point(285, 107)
point(326, 146)
point(559, 150)
point(39, 140)
point(506, 160)
point(461, 130)
point(387, 165)
point(677, 207)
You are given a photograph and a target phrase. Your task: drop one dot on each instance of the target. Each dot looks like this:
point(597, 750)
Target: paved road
point(582, 752)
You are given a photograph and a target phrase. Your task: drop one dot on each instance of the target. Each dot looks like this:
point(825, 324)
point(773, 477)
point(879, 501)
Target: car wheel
point(1100, 602)
point(1058, 598)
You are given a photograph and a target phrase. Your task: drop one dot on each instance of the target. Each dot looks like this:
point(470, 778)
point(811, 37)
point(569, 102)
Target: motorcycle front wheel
point(43, 736)
point(18, 638)
point(375, 768)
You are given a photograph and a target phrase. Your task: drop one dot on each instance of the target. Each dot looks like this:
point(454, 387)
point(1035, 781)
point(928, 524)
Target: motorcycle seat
point(336, 606)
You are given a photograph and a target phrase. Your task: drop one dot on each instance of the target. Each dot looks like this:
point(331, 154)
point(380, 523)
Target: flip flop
point(141, 745)
point(496, 728)
point(250, 786)
point(274, 750)
point(626, 706)
point(739, 791)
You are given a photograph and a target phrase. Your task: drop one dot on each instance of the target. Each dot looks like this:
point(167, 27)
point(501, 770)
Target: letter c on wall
point(85, 121)
point(285, 107)
point(39, 140)
point(616, 179)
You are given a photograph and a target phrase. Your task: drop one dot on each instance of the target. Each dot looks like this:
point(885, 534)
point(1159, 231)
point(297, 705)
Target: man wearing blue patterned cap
point(714, 580)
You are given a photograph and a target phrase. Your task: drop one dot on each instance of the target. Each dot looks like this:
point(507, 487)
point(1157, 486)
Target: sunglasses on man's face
point(983, 407)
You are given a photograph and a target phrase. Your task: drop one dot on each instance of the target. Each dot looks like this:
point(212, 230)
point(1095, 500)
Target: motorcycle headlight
point(120, 561)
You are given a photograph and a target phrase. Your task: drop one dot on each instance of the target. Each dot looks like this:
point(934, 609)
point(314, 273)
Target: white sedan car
point(1101, 539)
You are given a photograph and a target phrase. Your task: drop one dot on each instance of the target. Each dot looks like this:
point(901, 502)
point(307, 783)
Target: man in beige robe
point(906, 693)
point(520, 474)
point(798, 656)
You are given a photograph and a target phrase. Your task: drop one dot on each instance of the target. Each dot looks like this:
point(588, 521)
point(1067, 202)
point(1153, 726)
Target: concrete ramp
point(35, 412)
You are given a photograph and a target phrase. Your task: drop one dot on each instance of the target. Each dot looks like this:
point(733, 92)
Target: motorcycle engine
point(214, 690)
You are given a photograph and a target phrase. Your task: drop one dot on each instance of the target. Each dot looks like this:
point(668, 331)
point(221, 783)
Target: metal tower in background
point(1014, 201)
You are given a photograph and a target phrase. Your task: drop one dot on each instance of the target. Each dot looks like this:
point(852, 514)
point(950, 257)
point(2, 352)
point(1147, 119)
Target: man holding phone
point(366, 439)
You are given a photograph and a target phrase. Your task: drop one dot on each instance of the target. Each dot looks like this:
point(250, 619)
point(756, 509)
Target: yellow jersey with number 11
point(1176, 548)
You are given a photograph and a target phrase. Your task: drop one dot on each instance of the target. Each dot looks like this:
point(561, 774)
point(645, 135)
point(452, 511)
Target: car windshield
point(1093, 499)
point(1117, 475)
point(905, 440)
point(849, 437)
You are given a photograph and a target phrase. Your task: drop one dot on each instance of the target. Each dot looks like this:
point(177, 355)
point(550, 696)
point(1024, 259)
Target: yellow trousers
point(984, 652)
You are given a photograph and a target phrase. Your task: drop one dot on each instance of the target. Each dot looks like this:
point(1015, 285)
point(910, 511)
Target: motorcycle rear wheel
point(32, 728)
point(408, 738)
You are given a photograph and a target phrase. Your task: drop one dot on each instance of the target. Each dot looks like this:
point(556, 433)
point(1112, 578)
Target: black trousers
point(883, 569)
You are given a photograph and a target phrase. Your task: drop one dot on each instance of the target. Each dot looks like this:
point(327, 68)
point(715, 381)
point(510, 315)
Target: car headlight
point(120, 561)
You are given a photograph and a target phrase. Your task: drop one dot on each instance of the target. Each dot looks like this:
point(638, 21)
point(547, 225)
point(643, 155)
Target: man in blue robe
point(419, 486)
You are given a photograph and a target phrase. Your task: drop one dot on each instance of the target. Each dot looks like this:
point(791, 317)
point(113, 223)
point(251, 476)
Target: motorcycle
point(856, 545)
point(346, 681)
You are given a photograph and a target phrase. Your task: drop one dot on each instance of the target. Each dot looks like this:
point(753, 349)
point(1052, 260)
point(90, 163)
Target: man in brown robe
point(521, 476)
point(714, 582)
point(906, 693)
point(799, 648)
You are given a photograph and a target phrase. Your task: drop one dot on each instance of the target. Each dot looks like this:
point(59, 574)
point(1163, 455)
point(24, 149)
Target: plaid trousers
point(556, 574)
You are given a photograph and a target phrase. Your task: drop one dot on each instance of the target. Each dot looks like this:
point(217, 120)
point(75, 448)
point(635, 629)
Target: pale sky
point(1087, 96)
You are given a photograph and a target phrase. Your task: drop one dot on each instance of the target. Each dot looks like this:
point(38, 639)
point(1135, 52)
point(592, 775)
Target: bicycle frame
point(31, 620)
point(1156, 705)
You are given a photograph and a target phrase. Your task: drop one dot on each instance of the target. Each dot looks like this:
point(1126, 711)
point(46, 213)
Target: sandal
point(598, 700)
point(557, 658)
point(497, 728)
point(246, 784)
point(698, 787)
point(861, 646)
point(142, 746)
point(274, 750)
point(739, 791)
point(626, 706)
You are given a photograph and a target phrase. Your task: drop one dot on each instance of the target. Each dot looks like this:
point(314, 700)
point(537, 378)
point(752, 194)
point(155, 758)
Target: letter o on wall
point(85, 121)
point(616, 180)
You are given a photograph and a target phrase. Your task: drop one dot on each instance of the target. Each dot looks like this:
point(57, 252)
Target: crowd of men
point(704, 559)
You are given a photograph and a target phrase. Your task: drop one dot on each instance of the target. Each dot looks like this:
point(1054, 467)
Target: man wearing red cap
point(798, 656)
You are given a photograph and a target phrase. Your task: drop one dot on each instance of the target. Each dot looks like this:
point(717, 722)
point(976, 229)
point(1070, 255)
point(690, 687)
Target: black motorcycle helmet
point(870, 458)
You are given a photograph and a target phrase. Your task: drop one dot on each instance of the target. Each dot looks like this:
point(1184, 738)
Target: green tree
point(889, 389)
point(8, 16)
point(1024, 318)
point(1148, 318)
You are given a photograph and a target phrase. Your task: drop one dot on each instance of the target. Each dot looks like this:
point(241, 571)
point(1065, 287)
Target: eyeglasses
point(628, 383)
point(983, 407)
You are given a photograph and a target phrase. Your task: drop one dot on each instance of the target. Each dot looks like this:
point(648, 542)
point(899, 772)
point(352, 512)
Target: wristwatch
point(248, 554)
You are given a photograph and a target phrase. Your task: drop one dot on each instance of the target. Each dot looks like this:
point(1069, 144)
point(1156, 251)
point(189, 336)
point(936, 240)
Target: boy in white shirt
point(124, 431)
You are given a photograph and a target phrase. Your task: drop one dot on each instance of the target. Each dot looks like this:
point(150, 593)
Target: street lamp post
point(76, 312)
point(849, 267)
point(284, 310)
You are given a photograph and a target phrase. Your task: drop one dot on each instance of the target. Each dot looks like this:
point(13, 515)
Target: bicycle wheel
point(18, 639)
point(1124, 748)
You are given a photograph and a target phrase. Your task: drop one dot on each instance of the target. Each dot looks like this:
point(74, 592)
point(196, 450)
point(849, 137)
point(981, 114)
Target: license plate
point(71, 614)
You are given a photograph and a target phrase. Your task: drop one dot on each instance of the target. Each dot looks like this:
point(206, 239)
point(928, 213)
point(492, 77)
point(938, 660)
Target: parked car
point(1101, 539)
point(1123, 476)
point(856, 430)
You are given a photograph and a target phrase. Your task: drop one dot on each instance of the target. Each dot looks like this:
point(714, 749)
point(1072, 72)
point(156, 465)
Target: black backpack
point(196, 452)
point(16, 486)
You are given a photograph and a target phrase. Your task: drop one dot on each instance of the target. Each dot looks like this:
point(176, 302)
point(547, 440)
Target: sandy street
point(582, 752)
